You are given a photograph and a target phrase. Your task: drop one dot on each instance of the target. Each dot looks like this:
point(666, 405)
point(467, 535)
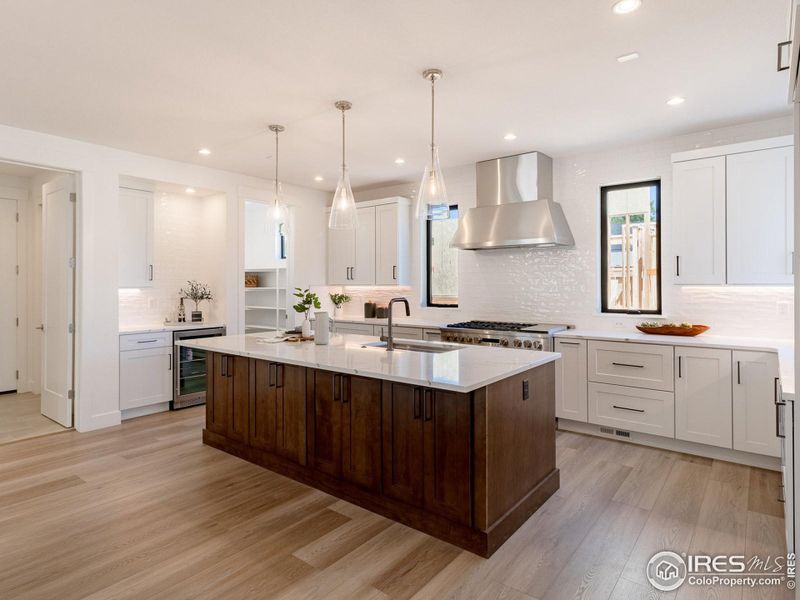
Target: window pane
point(443, 261)
point(631, 261)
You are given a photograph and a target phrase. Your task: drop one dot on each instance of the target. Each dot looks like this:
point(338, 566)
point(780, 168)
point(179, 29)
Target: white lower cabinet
point(636, 365)
point(632, 409)
point(398, 331)
point(703, 403)
point(145, 377)
point(754, 421)
point(357, 328)
point(571, 380)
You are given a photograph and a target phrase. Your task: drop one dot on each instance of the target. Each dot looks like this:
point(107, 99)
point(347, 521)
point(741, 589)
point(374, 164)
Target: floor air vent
point(617, 432)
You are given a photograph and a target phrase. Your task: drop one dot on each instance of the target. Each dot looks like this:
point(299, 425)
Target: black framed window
point(630, 248)
point(442, 261)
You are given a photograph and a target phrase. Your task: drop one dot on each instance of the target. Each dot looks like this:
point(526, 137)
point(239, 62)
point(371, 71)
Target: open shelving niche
point(266, 305)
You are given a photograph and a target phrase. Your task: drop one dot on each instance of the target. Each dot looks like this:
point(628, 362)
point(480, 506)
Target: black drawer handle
point(616, 364)
point(146, 341)
point(569, 343)
point(638, 410)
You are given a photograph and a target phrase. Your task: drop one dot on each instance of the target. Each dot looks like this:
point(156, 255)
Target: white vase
point(306, 328)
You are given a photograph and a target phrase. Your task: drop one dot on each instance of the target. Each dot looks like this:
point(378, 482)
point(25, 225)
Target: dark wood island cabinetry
point(468, 468)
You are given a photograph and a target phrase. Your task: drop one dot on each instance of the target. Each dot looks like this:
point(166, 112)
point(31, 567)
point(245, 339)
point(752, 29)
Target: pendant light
point(278, 207)
point(343, 211)
point(432, 201)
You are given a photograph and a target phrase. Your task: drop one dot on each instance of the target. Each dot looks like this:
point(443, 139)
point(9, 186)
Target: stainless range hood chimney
point(514, 207)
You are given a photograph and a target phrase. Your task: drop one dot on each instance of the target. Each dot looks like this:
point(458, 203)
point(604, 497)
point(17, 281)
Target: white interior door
point(8, 295)
point(58, 222)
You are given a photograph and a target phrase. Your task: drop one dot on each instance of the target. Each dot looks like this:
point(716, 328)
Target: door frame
point(19, 196)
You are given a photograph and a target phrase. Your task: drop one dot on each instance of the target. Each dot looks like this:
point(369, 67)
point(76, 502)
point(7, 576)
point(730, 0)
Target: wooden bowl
point(670, 330)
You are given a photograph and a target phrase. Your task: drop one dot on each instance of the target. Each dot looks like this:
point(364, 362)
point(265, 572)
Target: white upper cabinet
point(391, 244)
point(136, 232)
point(754, 375)
point(699, 221)
point(377, 251)
point(703, 411)
point(732, 218)
point(760, 214)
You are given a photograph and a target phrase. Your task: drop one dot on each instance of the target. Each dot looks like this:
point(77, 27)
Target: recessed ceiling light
point(399, 161)
point(628, 57)
point(510, 136)
point(624, 7)
point(318, 178)
point(190, 190)
point(204, 151)
point(675, 101)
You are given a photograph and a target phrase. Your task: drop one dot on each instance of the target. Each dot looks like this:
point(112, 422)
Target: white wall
point(189, 243)
point(562, 285)
point(97, 298)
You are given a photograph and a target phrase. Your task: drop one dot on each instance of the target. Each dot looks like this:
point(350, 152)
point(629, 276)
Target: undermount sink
point(412, 346)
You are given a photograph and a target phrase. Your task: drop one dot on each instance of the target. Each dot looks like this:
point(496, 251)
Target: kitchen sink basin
point(413, 346)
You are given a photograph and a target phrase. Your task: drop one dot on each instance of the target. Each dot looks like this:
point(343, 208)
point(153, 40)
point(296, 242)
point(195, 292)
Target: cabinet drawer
point(638, 365)
point(408, 333)
point(141, 341)
point(633, 409)
point(359, 328)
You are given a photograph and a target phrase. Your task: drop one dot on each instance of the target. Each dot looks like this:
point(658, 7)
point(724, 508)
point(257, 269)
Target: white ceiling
point(165, 78)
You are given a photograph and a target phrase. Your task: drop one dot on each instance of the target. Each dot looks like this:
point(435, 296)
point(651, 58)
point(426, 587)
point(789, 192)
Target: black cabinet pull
point(677, 266)
point(169, 364)
point(638, 410)
point(778, 404)
point(416, 403)
point(739, 372)
point(223, 362)
point(616, 364)
point(428, 405)
point(394, 271)
point(344, 394)
point(680, 366)
point(336, 388)
point(279, 376)
point(229, 366)
point(782, 53)
point(271, 374)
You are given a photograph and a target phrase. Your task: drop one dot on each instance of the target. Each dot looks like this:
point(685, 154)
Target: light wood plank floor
point(146, 511)
point(21, 418)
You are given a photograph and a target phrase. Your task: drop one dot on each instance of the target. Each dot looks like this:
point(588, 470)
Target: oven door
point(190, 368)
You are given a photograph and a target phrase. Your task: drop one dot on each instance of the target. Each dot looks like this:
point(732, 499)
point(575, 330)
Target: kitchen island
point(456, 441)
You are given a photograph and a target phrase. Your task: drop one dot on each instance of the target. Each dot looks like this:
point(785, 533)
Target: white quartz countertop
point(462, 370)
point(783, 348)
point(158, 328)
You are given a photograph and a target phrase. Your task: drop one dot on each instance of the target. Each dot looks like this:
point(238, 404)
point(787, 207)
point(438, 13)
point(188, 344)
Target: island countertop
point(464, 370)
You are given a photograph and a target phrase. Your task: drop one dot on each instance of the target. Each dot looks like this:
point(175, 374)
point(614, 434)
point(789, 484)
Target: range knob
point(538, 345)
point(528, 344)
point(517, 343)
point(504, 342)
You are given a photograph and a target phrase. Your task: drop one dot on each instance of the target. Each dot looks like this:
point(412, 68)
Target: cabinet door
point(386, 256)
point(363, 268)
point(703, 406)
point(264, 406)
point(447, 427)
point(361, 430)
point(325, 443)
point(135, 238)
point(698, 233)
point(754, 376)
point(238, 372)
point(341, 255)
point(217, 394)
point(760, 216)
point(145, 377)
point(571, 381)
point(290, 381)
point(402, 442)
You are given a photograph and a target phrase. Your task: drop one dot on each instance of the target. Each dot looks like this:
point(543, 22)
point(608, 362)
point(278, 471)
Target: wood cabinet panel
point(402, 442)
point(263, 406)
point(325, 433)
point(291, 412)
point(228, 395)
point(361, 431)
point(447, 423)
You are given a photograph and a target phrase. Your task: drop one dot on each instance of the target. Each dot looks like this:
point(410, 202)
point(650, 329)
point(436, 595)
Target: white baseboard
point(655, 441)
point(142, 411)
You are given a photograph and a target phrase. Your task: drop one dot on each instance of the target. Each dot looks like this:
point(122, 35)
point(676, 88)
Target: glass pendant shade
point(278, 212)
point(343, 210)
point(432, 203)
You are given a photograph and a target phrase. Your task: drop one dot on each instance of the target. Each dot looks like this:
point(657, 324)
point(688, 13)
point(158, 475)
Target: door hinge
point(17, 374)
point(17, 269)
point(71, 328)
point(71, 395)
point(17, 217)
point(73, 197)
point(72, 262)
point(17, 321)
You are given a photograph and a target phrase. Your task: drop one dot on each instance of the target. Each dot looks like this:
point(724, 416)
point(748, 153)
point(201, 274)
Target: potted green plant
point(339, 300)
point(196, 292)
point(306, 300)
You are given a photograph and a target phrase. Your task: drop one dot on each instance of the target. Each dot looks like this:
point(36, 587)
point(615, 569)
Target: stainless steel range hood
point(514, 207)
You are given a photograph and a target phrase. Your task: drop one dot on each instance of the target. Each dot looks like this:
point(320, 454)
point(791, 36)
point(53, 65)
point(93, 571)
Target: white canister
point(322, 324)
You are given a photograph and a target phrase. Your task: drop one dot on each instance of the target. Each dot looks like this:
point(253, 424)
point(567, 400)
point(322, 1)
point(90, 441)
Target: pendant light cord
point(276, 166)
point(433, 113)
point(344, 162)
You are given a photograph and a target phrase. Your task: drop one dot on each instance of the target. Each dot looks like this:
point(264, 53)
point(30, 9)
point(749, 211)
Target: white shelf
point(263, 289)
point(264, 308)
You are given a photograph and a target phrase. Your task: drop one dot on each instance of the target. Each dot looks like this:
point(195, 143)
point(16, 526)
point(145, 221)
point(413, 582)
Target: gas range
point(531, 336)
